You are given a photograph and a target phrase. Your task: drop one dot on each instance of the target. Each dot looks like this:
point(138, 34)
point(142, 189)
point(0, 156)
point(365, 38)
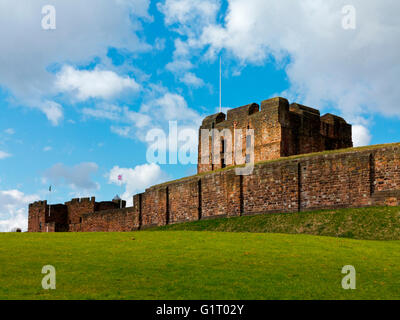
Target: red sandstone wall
point(220, 194)
point(137, 208)
point(303, 134)
point(50, 227)
point(45, 218)
point(184, 200)
point(350, 179)
point(75, 227)
point(78, 207)
point(333, 181)
point(36, 217)
point(387, 169)
point(267, 125)
point(280, 130)
point(273, 187)
point(154, 207)
point(58, 214)
point(116, 220)
point(386, 176)
point(109, 205)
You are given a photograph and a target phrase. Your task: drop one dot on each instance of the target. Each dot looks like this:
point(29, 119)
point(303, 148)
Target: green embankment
point(374, 223)
point(196, 265)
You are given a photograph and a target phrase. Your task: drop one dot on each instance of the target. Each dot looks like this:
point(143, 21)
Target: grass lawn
point(373, 223)
point(196, 265)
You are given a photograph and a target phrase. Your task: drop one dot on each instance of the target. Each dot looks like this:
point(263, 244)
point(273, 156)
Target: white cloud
point(136, 179)
point(160, 108)
point(96, 83)
point(122, 131)
point(181, 64)
point(361, 136)
point(177, 66)
point(159, 44)
point(85, 29)
point(119, 115)
point(77, 177)
point(191, 80)
point(166, 110)
point(53, 111)
point(4, 155)
point(14, 209)
point(354, 71)
point(173, 107)
point(140, 120)
point(189, 12)
point(10, 131)
point(47, 149)
point(103, 111)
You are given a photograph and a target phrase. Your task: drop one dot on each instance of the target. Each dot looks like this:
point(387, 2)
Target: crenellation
point(280, 130)
point(242, 112)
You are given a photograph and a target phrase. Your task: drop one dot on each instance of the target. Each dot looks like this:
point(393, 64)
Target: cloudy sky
point(77, 101)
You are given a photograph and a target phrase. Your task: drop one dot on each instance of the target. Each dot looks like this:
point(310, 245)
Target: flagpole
point(120, 198)
point(220, 84)
point(49, 200)
point(122, 189)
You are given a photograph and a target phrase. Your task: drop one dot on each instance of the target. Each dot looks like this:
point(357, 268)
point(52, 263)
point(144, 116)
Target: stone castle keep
point(298, 177)
point(280, 131)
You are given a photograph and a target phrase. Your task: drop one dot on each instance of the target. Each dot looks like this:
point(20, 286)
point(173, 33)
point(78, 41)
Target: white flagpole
point(220, 84)
point(120, 198)
point(49, 200)
point(122, 192)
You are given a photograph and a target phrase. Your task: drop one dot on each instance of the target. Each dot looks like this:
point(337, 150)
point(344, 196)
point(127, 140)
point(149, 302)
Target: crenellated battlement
point(82, 200)
point(280, 130)
point(41, 203)
point(68, 216)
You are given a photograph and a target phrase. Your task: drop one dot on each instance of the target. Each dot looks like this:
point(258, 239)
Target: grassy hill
point(196, 265)
point(375, 223)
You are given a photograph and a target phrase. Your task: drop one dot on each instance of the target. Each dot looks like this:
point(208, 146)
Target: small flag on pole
point(49, 204)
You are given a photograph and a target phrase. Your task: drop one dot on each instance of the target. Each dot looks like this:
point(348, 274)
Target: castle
point(296, 169)
point(280, 130)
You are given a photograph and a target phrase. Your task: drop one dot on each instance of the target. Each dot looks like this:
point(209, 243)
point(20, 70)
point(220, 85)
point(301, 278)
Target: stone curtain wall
point(386, 175)
point(78, 207)
point(354, 178)
point(273, 187)
point(42, 218)
point(334, 181)
point(115, 220)
point(184, 200)
point(154, 207)
point(37, 214)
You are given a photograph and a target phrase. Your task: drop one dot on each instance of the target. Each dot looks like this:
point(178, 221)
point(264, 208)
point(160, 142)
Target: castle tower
point(280, 130)
point(45, 218)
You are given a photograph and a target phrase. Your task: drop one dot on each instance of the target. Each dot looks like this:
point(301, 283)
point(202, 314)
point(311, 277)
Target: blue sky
point(77, 101)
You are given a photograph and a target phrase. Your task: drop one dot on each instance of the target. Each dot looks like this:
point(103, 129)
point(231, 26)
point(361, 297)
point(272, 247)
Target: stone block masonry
point(273, 187)
point(114, 220)
point(43, 218)
point(280, 130)
point(69, 216)
point(221, 194)
point(184, 201)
